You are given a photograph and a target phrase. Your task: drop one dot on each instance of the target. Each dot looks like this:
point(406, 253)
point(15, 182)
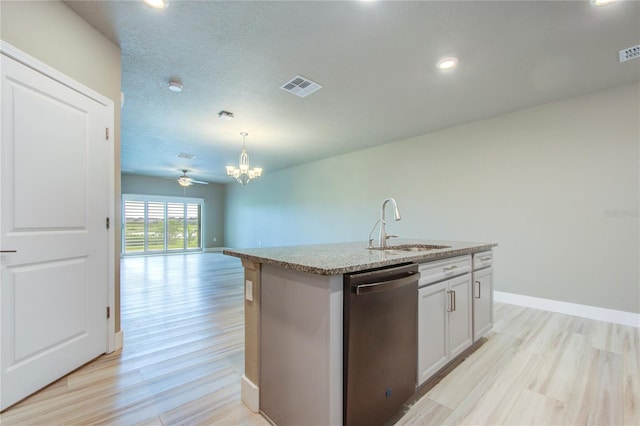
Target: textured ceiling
point(375, 61)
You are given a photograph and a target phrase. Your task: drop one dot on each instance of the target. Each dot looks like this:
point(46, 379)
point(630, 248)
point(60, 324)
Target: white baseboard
point(119, 340)
point(583, 311)
point(214, 249)
point(250, 394)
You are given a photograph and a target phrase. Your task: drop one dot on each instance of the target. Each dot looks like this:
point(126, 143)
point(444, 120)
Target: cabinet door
point(432, 330)
point(460, 324)
point(482, 302)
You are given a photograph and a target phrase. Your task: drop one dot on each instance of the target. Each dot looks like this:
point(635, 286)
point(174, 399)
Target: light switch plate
point(248, 290)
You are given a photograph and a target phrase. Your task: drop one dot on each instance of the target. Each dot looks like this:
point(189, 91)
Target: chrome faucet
point(371, 233)
point(383, 236)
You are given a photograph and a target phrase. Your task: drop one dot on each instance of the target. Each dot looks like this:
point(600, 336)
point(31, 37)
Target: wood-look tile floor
point(183, 354)
point(540, 368)
point(183, 357)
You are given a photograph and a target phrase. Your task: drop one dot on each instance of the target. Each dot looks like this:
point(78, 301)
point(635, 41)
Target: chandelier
point(244, 173)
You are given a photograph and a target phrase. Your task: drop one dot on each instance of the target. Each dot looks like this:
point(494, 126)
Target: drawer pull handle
point(454, 299)
point(450, 268)
point(478, 296)
point(484, 259)
point(450, 304)
point(8, 251)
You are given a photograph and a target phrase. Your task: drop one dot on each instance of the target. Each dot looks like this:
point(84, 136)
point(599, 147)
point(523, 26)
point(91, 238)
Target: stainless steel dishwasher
point(380, 342)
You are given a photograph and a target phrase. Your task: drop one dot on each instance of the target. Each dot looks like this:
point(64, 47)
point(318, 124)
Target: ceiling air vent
point(630, 53)
point(300, 86)
point(185, 155)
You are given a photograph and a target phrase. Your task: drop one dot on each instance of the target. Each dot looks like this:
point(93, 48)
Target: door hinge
point(107, 223)
point(108, 312)
point(106, 131)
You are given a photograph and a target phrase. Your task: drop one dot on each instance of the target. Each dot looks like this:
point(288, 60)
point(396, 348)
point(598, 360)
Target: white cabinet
point(482, 302)
point(443, 269)
point(482, 293)
point(482, 259)
point(433, 330)
point(444, 324)
point(455, 309)
point(460, 324)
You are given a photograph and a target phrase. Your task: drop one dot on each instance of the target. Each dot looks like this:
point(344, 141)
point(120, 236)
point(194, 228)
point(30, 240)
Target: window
point(161, 224)
point(175, 222)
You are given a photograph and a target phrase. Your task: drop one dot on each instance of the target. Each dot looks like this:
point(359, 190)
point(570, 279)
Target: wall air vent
point(300, 86)
point(630, 53)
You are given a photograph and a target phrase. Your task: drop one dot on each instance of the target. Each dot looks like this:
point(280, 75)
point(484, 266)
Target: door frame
point(18, 55)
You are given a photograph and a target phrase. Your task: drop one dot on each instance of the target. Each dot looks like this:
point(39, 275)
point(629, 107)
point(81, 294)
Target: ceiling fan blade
point(200, 182)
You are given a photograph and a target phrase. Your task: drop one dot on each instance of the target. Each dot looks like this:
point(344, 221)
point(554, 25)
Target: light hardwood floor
point(541, 368)
point(183, 358)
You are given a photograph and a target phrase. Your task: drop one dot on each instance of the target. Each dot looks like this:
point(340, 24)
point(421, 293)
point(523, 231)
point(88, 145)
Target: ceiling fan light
point(184, 181)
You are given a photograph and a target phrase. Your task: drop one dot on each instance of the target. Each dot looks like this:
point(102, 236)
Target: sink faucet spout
point(382, 238)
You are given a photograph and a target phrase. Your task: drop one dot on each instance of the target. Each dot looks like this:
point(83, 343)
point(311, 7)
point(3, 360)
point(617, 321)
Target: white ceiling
point(375, 61)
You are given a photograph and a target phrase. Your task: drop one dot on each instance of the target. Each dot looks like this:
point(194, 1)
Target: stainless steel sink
point(412, 247)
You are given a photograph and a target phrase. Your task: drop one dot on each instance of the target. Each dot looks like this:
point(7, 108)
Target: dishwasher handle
point(385, 285)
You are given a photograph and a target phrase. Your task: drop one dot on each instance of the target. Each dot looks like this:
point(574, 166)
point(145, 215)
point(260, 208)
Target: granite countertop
point(341, 258)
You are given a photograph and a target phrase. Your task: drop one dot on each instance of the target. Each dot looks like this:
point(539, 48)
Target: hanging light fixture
point(244, 173)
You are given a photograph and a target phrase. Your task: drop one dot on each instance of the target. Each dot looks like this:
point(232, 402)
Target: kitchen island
point(294, 321)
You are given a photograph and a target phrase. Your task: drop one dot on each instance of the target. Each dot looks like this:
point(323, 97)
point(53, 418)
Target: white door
point(53, 208)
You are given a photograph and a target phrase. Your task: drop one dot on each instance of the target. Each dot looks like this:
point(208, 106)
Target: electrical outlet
point(215, 239)
point(248, 290)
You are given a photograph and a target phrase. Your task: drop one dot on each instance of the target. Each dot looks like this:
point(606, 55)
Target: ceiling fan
point(185, 180)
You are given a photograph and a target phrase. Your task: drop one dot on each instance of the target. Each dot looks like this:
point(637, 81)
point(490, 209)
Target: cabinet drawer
point(482, 259)
point(442, 269)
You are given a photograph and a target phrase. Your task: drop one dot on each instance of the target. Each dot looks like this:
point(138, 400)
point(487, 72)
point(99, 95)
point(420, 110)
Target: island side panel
point(301, 347)
point(251, 378)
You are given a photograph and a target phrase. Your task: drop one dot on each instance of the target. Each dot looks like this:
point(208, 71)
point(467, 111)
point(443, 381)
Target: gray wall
point(557, 186)
point(57, 36)
point(213, 195)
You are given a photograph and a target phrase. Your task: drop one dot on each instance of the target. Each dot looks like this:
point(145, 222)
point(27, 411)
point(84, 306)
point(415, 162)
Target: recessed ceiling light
point(600, 2)
point(446, 64)
point(174, 86)
point(225, 115)
point(157, 4)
